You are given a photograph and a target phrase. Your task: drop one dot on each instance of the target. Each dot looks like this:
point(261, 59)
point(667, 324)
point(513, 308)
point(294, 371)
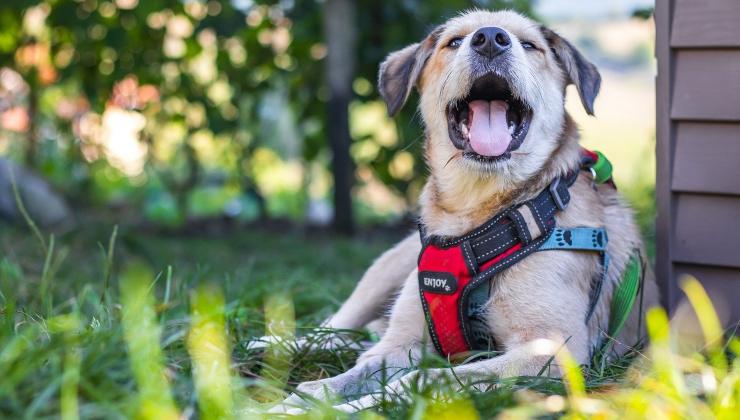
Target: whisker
point(444, 83)
point(456, 155)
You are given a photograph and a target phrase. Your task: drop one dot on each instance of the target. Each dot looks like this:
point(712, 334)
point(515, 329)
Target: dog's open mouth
point(490, 122)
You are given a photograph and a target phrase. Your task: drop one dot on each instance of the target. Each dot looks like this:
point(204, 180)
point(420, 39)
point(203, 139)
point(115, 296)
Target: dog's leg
point(528, 347)
point(366, 304)
point(527, 359)
point(380, 282)
point(399, 349)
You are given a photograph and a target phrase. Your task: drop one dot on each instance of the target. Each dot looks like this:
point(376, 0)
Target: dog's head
point(492, 88)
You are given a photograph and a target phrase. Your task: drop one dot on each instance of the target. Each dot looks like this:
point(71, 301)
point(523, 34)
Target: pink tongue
point(489, 133)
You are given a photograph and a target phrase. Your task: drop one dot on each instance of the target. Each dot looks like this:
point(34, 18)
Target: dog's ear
point(400, 72)
point(579, 71)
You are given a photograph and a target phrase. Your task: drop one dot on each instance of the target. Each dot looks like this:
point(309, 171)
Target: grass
point(79, 321)
point(156, 326)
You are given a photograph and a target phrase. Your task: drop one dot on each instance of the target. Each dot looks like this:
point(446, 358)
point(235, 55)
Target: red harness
point(447, 325)
point(450, 269)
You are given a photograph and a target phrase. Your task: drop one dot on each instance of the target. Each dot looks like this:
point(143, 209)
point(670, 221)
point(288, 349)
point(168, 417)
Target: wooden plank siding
point(707, 230)
point(705, 23)
point(707, 158)
point(723, 287)
point(698, 148)
point(707, 85)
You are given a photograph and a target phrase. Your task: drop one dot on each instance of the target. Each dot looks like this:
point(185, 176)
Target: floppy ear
point(580, 71)
point(401, 70)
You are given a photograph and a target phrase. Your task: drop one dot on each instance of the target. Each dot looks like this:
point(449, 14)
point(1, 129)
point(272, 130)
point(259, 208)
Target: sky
point(588, 9)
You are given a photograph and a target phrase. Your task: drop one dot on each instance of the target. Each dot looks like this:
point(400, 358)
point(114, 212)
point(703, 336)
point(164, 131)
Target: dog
point(492, 92)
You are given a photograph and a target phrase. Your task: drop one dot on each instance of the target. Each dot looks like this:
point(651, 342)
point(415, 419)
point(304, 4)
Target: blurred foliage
point(145, 103)
point(644, 13)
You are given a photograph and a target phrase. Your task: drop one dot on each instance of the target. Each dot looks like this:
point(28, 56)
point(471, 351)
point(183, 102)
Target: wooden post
point(340, 31)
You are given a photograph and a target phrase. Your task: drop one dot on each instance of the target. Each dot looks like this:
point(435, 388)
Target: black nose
point(490, 42)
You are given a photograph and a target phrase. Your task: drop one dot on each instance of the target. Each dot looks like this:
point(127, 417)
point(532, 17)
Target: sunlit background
point(167, 184)
point(165, 112)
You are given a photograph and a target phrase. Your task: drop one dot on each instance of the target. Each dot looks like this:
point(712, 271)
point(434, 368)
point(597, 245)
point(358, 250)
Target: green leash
point(624, 296)
point(623, 299)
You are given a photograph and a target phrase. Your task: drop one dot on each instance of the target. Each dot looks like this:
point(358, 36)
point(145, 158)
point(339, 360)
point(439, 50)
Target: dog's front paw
point(322, 390)
point(400, 389)
point(293, 405)
point(395, 389)
point(306, 394)
point(322, 339)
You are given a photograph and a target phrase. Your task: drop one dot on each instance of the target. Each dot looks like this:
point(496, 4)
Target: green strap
point(624, 295)
point(602, 169)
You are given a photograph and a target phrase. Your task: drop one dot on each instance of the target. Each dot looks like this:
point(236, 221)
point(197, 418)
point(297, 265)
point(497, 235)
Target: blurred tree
point(157, 98)
point(29, 51)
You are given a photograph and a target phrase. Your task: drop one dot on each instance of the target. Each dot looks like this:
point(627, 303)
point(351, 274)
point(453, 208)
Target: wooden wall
point(698, 148)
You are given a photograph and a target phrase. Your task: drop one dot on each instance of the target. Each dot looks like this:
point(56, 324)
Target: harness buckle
point(555, 194)
point(593, 177)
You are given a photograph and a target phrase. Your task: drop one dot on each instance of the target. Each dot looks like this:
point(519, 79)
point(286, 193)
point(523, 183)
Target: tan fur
point(544, 296)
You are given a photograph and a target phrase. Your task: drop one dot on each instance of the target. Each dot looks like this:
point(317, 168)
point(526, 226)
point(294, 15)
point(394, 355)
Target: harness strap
point(583, 239)
point(577, 239)
point(524, 223)
point(598, 283)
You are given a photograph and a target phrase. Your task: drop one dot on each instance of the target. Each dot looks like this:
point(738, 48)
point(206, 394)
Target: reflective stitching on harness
point(492, 237)
point(468, 258)
point(507, 243)
point(476, 232)
point(539, 216)
point(596, 290)
point(549, 213)
point(482, 276)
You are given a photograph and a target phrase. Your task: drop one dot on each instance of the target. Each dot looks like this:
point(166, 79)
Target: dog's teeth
point(464, 129)
point(511, 129)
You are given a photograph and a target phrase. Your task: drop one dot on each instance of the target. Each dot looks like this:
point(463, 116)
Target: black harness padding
point(498, 235)
point(503, 237)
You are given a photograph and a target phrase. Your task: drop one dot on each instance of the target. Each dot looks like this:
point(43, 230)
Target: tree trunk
point(32, 133)
point(340, 31)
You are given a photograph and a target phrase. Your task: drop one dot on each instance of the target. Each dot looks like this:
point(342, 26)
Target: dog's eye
point(455, 42)
point(528, 45)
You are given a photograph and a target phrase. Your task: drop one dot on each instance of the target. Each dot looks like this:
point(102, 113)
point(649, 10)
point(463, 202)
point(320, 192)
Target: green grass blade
point(108, 269)
point(45, 293)
point(279, 322)
point(209, 350)
point(69, 326)
point(142, 336)
point(709, 321)
point(22, 209)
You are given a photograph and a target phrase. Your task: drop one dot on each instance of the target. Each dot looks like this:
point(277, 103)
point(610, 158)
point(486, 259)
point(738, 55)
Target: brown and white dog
point(492, 88)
